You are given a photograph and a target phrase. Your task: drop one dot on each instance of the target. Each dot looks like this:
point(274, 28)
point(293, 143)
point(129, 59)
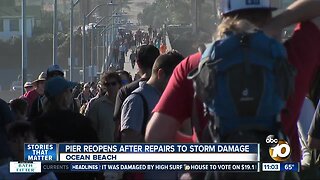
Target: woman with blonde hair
point(58, 92)
point(240, 16)
point(59, 123)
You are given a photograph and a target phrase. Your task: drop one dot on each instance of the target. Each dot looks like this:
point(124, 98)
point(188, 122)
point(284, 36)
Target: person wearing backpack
point(303, 53)
point(146, 55)
point(137, 107)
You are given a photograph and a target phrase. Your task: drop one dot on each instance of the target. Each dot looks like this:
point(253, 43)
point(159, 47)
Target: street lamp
point(107, 38)
point(72, 5)
point(105, 33)
point(24, 57)
point(55, 40)
point(95, 41)
point(85, 17)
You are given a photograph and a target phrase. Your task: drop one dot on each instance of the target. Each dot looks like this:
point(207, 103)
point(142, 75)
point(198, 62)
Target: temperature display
point(295, 167)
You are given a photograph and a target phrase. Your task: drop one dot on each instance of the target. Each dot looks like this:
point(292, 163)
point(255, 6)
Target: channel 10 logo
point(279, 149)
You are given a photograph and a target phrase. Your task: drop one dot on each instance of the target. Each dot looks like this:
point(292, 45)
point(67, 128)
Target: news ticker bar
point(158, 157)
point(38, 167)
point(222, 152)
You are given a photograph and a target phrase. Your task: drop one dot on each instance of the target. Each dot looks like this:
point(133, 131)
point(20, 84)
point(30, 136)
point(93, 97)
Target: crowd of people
point(159, 105)
point(54, 109)
point(127, 41)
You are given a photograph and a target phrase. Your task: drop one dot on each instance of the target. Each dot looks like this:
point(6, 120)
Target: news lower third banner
point(142, 152)
point(138, 157)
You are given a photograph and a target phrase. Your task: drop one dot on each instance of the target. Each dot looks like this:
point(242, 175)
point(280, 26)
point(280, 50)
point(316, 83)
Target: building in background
point(10, 21)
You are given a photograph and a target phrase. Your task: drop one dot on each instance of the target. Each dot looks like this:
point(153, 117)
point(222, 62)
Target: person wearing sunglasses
point(85, 96)
point(112, 83)
point(102, 90)
point(100, 112)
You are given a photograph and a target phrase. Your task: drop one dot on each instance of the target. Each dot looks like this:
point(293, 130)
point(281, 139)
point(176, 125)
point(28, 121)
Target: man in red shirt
point(38, 90)
point(175, 105)
point(28, 86)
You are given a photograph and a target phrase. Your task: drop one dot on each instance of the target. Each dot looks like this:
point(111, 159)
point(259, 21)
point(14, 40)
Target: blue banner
point(294, 167)
point(158, 148)
point(40, 152)
point(94, 167)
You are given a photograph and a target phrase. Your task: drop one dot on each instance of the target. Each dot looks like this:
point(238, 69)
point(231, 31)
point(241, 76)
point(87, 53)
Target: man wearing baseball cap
point(37, 107)
point(59, 93)
point(28, 86)
point(54, 70)
point(303, 53)
point(228, 6)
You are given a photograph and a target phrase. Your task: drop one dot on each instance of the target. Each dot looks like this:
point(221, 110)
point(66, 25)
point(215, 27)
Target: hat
point(41, 77)
point(57, 85)
point(27, 84)
point(54, 67)
point(227, 6)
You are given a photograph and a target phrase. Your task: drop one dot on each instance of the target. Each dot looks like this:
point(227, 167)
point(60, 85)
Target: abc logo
point(279, 150)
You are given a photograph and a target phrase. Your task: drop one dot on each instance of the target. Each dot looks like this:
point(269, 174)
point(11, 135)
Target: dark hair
point(108, 75)
point(126, 73)
point(146, 56)
point(19, 128)
point(92, 84)
point(176, 54)
point(77, 90)
point(64, 126)
point(54, 74)
point(167, 62)
point(19, 106)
